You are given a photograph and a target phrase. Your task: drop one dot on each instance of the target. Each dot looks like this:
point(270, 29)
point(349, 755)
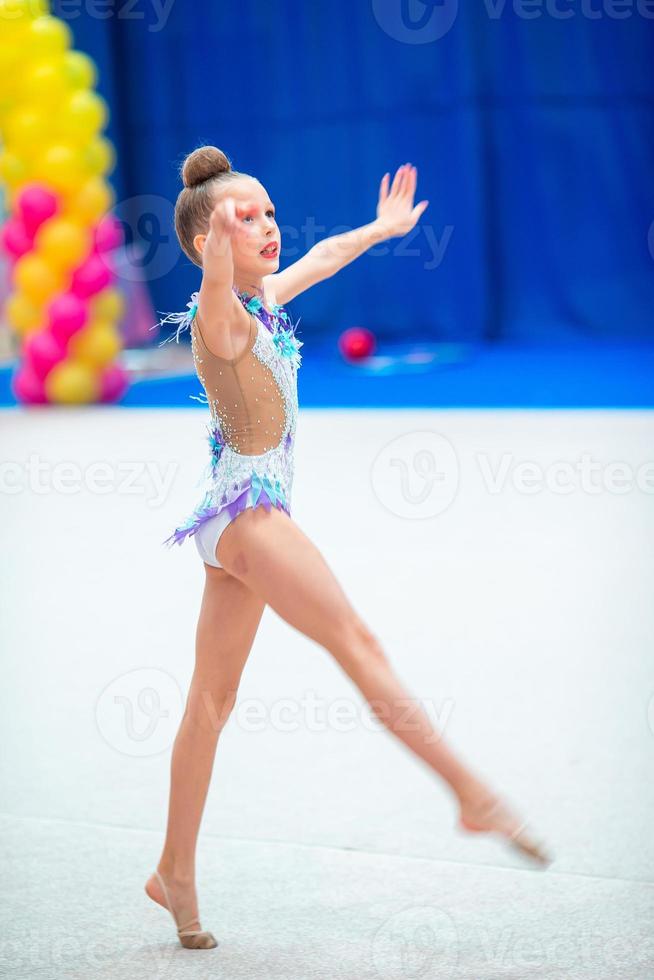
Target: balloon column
point(59, 237)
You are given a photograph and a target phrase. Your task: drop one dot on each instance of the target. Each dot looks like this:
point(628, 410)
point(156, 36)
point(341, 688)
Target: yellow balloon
point(97, 344)
point(72, 382)
point(22, 314)
point(60, 166)
point(99, 157)
point(93, 199)
point(63, 243)
point(48, 35)
point(36, 278)
point(83, 115)
point(79, 69)
point(107, 305)
point(12, 169)
point(45, 83)
point(24, 129)
point(11, 57)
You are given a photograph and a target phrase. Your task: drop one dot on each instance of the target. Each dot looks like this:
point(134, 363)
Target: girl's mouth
point(270, 251)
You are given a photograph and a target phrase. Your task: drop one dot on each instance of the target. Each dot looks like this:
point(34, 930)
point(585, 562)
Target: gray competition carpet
point(505, 561)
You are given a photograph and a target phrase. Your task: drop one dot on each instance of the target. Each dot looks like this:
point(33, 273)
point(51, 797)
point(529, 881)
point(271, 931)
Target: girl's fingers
point(404, 175)
point(246, 208)
point(409, 184)
point(383, 188)
point(397, 180)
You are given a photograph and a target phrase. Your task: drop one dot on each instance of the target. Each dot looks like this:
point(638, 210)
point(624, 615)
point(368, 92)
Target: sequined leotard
point(253, 407)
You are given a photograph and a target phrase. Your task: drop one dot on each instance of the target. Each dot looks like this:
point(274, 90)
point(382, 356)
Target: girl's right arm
point(225, 324)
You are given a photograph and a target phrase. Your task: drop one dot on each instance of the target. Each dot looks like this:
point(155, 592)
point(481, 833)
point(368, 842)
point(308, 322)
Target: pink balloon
point(108, 234)
point(42, 352)
point(15, 240)
point(36, 204)
point(28, 387)
point(66, 315)
point(114, 382)
point(91, 277)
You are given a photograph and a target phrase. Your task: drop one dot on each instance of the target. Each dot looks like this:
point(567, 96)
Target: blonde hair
point(202, 172)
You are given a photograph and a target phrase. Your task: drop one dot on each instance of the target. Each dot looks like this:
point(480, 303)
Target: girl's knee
point(357, 644)
point(210, 709)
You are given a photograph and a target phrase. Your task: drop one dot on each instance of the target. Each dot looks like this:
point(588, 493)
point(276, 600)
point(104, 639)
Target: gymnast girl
point(246, 354)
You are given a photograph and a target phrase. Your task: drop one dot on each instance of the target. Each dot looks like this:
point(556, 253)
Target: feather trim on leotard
point(255, 492)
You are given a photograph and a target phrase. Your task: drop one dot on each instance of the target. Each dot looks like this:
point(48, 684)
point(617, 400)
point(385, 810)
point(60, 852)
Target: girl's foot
point(489, 813)
point(179, 898)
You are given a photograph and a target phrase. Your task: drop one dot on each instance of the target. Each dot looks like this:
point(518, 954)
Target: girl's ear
point(198, 243)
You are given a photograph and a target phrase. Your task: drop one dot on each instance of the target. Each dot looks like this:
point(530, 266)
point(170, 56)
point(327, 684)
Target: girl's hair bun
point(203, 164)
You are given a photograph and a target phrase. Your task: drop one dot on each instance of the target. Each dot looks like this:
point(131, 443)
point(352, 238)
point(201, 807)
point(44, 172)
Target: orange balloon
point(72, 382)
point(93, 199)
point(64, 243)
point(36, 278)
point(23, 314)
point(108, 305)
point(97, 344)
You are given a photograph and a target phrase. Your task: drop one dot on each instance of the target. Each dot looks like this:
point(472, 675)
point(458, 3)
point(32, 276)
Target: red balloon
point(15, 240)
point(66, 315)
point(113, 383)
point(92, 276)
point(36, 204)
point(356, 343)
point(108, 234)
point(28, 387)
point(42, 352)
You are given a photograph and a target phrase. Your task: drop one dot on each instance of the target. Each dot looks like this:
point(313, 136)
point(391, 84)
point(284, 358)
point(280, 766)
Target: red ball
point(357, 343)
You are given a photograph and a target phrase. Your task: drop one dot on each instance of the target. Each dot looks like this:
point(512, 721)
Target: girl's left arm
point(396, 215)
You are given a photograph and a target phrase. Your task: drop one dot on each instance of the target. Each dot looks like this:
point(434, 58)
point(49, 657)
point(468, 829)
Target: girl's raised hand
point(396, 214)
point(226, 215)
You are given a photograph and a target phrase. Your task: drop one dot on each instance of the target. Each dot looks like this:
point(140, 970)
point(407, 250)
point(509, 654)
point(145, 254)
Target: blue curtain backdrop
point(530, 124)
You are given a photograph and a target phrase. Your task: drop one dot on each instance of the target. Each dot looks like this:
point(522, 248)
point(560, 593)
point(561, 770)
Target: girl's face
point(256, 253)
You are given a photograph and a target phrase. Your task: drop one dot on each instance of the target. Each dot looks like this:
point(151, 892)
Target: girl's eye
point(250, 217)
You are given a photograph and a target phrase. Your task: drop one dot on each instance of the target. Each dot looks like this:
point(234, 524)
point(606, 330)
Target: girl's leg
point(269, 553)
point(229, 617)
